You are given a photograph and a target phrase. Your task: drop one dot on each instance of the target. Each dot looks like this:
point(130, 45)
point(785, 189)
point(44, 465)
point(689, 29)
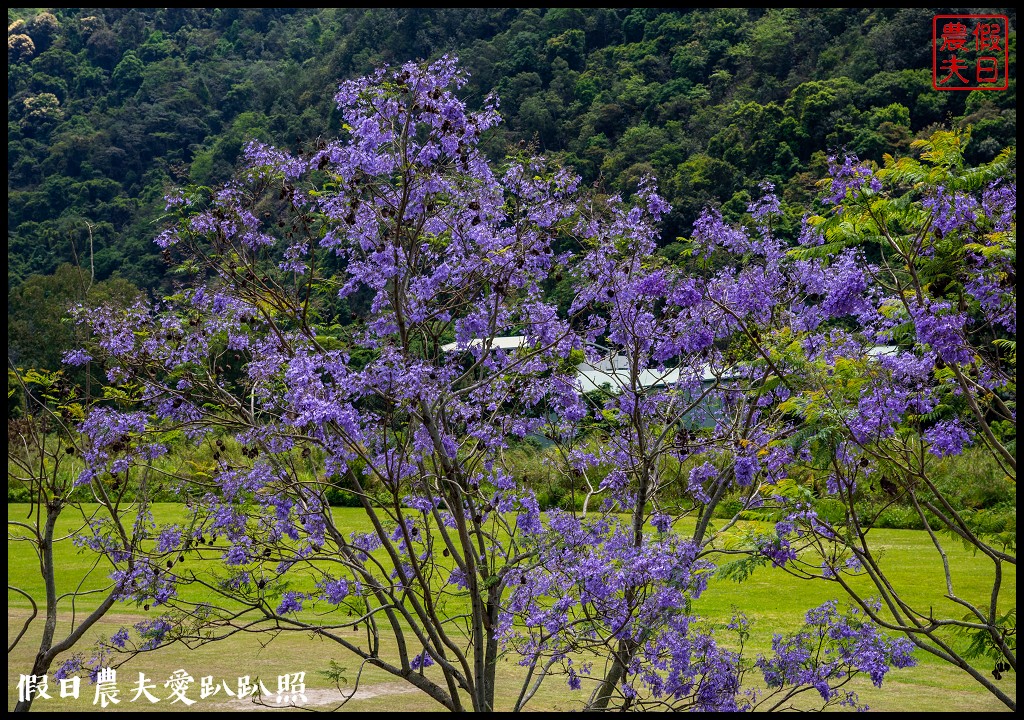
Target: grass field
point(772, 600)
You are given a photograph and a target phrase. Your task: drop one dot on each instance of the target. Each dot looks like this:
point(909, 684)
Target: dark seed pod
point(889, 486)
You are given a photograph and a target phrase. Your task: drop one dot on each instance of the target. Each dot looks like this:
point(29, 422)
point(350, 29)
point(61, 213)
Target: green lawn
point(772, 599)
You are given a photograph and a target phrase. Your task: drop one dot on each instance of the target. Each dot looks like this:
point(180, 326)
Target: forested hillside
point(108, 108)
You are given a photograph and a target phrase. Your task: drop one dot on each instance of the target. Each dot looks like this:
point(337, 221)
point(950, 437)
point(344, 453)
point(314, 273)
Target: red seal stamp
point(970, 52)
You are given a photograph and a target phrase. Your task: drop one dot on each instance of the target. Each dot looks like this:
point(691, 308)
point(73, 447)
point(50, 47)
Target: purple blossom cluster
point(75, 664)
point(942, 329)
point(70, 667)
point(153, 633)
point(832, 647)
point(76, 358)
point(334, 591)
point(848, 178)
point(946, 438)
point(767, 205)
point(999, 204)
point(951, 211)
point(120, 638)
point(990, 285)
point(291, 602)
point(145, 582)
point(115, 442)
point(421, 661)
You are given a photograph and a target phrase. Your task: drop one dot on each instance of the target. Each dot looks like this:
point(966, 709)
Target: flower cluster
point(829, 649)
point(848, 178)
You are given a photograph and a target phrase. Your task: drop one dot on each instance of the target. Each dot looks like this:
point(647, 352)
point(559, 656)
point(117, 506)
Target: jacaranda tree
point(371, 318)
point(44, 460)
point(893, 335)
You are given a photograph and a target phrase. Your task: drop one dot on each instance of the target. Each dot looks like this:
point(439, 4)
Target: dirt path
point(321, 698)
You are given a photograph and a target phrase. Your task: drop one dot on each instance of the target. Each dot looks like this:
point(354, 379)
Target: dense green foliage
point(110, 107)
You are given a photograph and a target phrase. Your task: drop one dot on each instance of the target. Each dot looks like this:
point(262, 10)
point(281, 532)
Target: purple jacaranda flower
point(168, 540)
point(662, 522)
point(70, 667)
point(849, 177)
point(946, 438)
point(120, 638)
point(334, 591)
point(153, 632)
point(950, 210)
point(291, 602)
point(421, 661)
point(942, 328)
point(76, 358)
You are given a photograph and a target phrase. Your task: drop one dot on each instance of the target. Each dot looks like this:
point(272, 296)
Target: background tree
point(894, 335)
point(40, 330)
point(46, 457)
point(124, 104)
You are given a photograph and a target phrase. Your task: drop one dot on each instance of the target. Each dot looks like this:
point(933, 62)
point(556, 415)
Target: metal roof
point(610, 371)
point(879, 350)
point(510, 342)
point(617, 379)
